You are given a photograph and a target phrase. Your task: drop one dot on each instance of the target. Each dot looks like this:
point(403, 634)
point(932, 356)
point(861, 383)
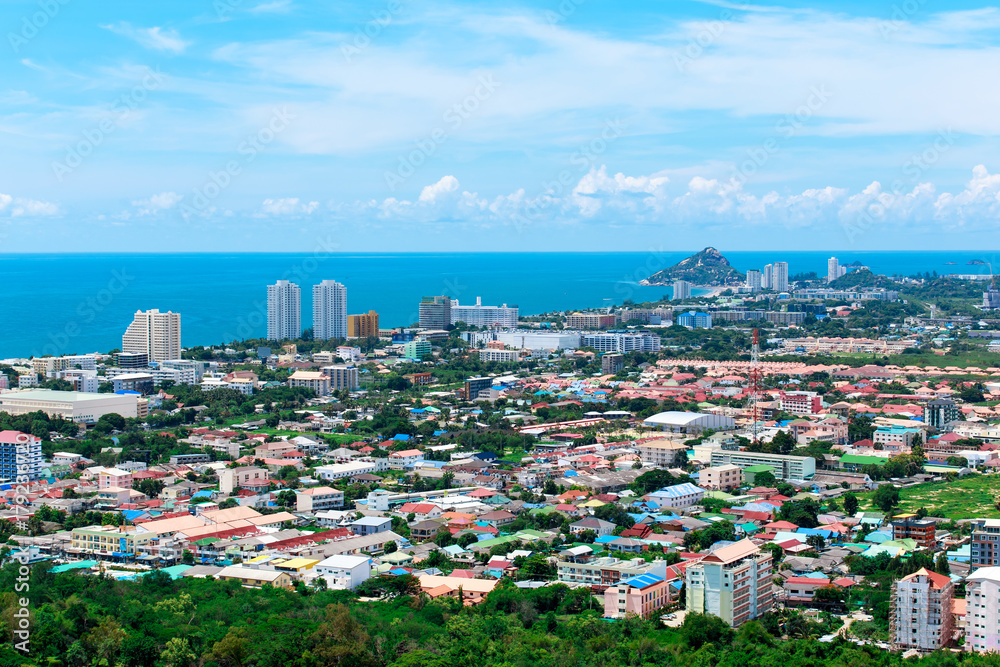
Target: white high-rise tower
point(329, 310)
point(284, 311)
point(155, 334)
point(780, 277)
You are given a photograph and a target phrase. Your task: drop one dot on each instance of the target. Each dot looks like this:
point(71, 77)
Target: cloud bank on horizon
point(578, 124)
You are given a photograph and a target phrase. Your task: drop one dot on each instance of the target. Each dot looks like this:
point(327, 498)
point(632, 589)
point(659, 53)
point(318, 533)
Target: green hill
point(707, 267)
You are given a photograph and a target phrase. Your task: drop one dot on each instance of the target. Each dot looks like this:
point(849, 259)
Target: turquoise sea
point(78, 303)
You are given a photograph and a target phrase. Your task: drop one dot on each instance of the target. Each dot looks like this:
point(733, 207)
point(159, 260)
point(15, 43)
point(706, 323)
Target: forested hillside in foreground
point(88, 620)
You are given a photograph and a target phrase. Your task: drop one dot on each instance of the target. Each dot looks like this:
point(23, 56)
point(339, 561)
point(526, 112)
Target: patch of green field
point(967, 498)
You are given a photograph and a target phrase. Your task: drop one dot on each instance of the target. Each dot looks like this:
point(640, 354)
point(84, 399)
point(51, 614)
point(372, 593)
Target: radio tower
point(754, 384)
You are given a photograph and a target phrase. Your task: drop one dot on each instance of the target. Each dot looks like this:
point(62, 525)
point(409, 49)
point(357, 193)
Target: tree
point(886, 498)
point(178, 653)
point(850, 504)
point(765, 478)
point(701, 629)
point(187, 558)
point(390, 547)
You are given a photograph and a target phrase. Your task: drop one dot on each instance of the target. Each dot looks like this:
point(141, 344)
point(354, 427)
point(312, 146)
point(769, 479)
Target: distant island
point(707, 267)
point(976, 262)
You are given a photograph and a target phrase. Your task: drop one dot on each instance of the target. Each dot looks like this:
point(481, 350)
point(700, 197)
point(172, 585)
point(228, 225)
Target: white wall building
point(154, 333)
point(284, 311)
point(484, 316)
point(76, 406)
point(780, 277)
point(616, 341)
point(329, 310)
point(344, 571)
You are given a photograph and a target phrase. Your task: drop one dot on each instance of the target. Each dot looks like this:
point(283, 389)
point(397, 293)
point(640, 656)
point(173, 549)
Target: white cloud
point(163, 201)
point(19, 207)
point(156, 38)
point(276, 7)
point(287, 206)
point(439, 191)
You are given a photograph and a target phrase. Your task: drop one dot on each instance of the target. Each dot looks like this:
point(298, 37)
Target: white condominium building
point(780, 277)
point(733, 583)
point(484, 316)
point(329, 310)
point(284, 311)
point(982, 611)
point(155, 334)
point(614, 341)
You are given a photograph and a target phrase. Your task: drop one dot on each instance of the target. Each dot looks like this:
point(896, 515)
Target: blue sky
point(574, 125)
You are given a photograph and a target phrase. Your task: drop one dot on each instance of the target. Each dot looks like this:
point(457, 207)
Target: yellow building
point(110, 540)
point(362, 326)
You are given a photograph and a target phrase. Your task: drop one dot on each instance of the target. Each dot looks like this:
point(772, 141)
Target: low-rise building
point(318, 498)
point(344, 571)
point(720, 478)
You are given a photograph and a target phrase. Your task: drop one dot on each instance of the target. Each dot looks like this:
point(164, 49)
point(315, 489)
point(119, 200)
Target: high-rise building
point(834, 270)
point(156, 334)
point(780, 277)
point(329, 310)
point(20, 457)
point(921, 615)
point(733, 582)
point(753, 280)
point(682, 290)
point(484, 316)
point(991, 298)
point(940, 412)
point(767, 277)
point(435, 312)
point(342, 376)
point(363, 325)
point(982, 611)
point(284, 311)
point(612, 363)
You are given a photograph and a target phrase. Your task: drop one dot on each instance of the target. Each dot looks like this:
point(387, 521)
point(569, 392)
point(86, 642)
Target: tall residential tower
point(329, 310)
point(284, 311)
point(156, 334)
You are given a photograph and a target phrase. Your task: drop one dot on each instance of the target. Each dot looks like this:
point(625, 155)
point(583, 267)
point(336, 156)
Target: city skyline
point(608, 130)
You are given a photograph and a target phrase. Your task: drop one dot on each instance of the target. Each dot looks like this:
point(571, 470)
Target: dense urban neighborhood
point(687, 482)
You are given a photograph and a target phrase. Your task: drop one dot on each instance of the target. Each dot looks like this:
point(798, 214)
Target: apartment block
point(720, 478)
point(329, 310)
point(318, 498)
point(364, 325)
point(985, 547)
point(590, 321)
point(921, 615)
point(612, 363)
point(434, 312)
point(342, 376)
point(20, 457)
point(661, 453)
point(619, 341)
point(155, 334)
point(801, 403)
point(600, 573)
point(920, 531)
point(784, 466)
point(982, 611)
point(499, 355)
point(317, 381)
point(732, 582)
point(484, 316)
